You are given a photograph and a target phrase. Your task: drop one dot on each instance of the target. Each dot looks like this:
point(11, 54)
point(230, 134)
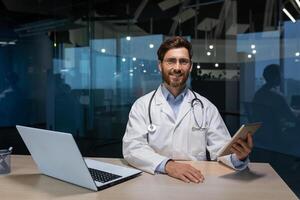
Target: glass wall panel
point(78, 66)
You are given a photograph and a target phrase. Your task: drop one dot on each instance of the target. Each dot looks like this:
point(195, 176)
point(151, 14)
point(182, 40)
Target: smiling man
point(175, 123)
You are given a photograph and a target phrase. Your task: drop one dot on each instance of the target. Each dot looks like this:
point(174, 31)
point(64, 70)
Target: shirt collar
point(168, 95)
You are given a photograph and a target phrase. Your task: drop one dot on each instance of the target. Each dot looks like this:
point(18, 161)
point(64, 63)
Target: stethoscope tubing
point(152, 127)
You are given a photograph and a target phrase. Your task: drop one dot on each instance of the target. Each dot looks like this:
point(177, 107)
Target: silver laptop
point(57, 155)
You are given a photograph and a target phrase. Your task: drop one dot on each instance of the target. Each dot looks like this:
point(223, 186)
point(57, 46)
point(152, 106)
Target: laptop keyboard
point(102, 176)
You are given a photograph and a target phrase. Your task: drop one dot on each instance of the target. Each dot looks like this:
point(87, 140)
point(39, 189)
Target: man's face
point(176, 67)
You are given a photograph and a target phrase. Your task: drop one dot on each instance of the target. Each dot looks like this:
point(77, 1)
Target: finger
point(183, 178)
point(193, 169)
point(191, 177)
point(250, 140)
point(245, 146)
point(238, 147)
point(236, 152)
point(198, 177)
point(239, 155)
point(198, 174)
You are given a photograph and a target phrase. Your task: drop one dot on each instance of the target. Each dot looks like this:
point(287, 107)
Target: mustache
point(176, 73)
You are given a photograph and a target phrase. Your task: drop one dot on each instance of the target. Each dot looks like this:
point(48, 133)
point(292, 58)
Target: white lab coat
point(178, 139)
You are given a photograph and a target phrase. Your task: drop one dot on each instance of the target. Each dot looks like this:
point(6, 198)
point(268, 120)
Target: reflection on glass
point(103, 84)
point(280, 122)
point(267, 88)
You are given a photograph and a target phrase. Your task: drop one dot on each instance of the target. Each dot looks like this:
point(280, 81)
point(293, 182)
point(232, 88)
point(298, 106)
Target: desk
point(259, 182)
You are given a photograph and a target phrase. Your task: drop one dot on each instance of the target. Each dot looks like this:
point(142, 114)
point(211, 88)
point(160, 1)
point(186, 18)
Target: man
point(174, 123)
point(280, 122)
point(269, 96)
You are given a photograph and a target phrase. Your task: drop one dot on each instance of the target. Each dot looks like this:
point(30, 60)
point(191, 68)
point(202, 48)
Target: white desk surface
point(260, 182)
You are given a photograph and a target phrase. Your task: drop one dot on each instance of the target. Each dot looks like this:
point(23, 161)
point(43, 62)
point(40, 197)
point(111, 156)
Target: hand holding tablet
point(240, 134)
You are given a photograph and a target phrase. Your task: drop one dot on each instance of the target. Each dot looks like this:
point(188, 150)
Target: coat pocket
point(197, 143)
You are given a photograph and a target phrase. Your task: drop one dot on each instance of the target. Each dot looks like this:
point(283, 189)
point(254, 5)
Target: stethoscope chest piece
point(151, 128)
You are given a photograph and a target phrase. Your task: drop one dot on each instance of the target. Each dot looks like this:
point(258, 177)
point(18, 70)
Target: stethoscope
point(152, 127)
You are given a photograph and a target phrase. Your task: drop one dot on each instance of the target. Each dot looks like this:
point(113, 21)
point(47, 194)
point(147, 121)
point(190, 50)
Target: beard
point(175, 78)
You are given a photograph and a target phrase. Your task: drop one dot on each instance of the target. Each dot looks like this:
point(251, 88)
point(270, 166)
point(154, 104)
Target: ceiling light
point(130, 74)
point(198, 66)
point(217, 65)
point(11, 43)
point(123, 59)
point(249, 56)
point(103, 50)
point(184, 15)
point(151, 46)
point(64, 70)
point(144, 71)
point(128, 38)
point(134, 59)
point(289, 15)
point(235, 29)
point(298, 3)
point(252, 46)
point(297, 54)
point(254, 51)
point(208, 24)
point(164, 5)
point(211, 46)
point(208, 53)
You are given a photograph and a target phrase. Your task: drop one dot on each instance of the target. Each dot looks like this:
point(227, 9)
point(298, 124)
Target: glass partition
point(78, 66)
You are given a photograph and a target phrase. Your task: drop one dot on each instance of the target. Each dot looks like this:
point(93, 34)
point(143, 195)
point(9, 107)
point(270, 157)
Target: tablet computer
point(240, 134)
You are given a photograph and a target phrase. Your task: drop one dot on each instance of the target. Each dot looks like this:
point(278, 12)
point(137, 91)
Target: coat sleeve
point(217, 137)
point(136, 149)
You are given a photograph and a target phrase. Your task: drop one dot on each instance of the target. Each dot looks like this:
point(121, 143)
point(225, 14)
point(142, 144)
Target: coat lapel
point(185, 107)
point(164, 105)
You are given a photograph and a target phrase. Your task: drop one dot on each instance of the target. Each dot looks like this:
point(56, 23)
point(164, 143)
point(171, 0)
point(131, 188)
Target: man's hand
point(184, 172)
point(242, 148)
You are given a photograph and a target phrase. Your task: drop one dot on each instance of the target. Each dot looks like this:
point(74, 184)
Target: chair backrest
point(295, 101)
point(269, 117)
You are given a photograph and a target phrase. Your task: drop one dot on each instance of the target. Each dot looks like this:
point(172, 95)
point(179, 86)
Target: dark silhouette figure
point(68, 111)
point(280, 122)
point(11, 102)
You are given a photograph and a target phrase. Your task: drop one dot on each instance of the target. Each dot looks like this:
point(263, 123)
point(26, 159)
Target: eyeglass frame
point(180, 61)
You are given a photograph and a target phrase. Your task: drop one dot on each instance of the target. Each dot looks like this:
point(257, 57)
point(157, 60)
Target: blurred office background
point(77, 66)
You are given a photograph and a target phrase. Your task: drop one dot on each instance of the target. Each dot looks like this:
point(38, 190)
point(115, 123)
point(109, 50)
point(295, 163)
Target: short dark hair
point(271, 71)
point(174, 43)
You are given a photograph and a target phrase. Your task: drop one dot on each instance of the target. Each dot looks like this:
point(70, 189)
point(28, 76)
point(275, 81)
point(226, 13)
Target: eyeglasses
point(173, 61)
